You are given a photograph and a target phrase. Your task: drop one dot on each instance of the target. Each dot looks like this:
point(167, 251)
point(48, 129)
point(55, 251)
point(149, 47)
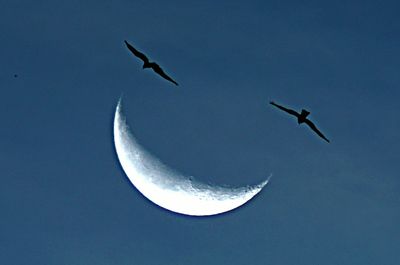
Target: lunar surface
point(168, 188)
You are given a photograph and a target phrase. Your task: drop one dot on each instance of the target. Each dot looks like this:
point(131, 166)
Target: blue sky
point(64, 198)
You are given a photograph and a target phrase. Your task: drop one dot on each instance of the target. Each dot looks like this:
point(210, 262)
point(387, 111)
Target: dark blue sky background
point(64, 198)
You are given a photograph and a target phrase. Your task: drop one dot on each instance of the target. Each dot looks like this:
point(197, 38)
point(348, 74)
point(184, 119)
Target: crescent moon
point(168, 188)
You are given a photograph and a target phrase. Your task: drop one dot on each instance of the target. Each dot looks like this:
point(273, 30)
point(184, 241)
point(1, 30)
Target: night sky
point(64, 198)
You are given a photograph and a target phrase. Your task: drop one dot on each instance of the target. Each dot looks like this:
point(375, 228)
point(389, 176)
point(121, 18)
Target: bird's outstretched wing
point(137, 53)
point(314, 128)
point(285, 109)
point(160, 71)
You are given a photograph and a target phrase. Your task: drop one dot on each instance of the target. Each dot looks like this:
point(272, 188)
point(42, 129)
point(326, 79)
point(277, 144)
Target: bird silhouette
point(301, 118)
point(147, 64)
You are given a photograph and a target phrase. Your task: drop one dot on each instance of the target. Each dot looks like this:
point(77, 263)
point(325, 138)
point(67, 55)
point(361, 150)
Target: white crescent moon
point(168, 188)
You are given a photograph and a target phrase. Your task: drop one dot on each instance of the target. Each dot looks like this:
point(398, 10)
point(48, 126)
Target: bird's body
point(147, 64)
point(301, 118)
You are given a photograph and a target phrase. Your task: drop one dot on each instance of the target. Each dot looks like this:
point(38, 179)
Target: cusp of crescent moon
point(168, 188)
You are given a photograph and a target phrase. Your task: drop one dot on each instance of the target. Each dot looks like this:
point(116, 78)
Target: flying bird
point(301, 118)
point(147, 64)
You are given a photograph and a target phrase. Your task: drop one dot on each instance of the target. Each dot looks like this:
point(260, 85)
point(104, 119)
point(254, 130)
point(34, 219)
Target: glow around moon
point(169, 189)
